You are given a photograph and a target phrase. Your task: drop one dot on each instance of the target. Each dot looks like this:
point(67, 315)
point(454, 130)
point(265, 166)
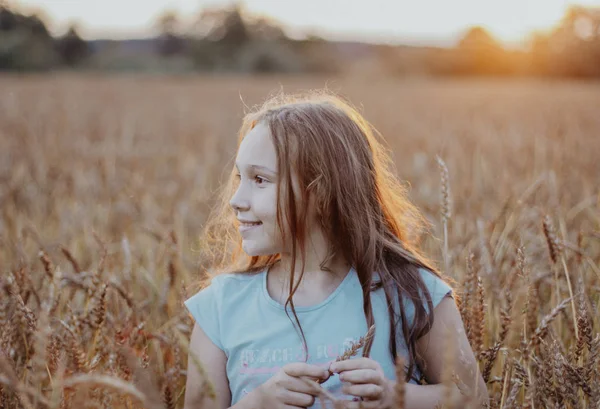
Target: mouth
point(245, 226)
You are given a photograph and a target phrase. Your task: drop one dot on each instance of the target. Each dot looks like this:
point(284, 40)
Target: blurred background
point(119, 122)
point(541, 38)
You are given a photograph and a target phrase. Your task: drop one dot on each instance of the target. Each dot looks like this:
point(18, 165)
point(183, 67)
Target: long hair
point(361, 206)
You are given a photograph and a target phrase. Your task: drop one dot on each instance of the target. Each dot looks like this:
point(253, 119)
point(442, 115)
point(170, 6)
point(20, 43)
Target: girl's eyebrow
point(258, 167)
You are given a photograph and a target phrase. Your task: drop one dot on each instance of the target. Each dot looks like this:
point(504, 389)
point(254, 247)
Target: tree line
point(232, 40)
point(26, 44)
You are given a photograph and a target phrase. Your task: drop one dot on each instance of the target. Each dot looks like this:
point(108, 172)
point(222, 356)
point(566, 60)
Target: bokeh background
point(513, 38)
point(119, 121)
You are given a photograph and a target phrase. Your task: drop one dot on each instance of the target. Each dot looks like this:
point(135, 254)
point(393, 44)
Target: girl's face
point(255, 200)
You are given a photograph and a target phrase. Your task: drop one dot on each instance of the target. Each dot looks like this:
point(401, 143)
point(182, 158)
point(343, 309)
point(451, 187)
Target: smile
point(248, 226)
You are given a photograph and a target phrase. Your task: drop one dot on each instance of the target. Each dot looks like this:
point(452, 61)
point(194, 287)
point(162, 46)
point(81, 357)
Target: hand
point(286, 389)
point(364, 378)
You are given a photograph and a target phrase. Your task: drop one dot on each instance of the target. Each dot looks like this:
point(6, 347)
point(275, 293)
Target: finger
point(352, 364)
point(301, 384)
point(369, 391)
point(302, 369)
point(298, 399)
point(361, 376)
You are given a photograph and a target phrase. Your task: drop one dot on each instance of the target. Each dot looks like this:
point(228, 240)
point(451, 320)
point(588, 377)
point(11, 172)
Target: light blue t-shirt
point(240, 317)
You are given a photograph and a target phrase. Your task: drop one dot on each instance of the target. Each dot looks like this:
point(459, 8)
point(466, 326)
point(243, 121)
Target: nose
point(238, 202)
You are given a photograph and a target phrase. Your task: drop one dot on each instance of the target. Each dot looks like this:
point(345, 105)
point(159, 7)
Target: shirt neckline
point(331, 297)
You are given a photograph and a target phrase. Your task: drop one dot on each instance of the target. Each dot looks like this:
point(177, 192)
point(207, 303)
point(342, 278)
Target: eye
point(259, 179)
point(238, 176)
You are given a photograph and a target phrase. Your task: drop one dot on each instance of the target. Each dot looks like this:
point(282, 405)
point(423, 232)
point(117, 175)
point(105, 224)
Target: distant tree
point(265, 29)
point(482, 54)
point(231, 39)
point(236, 33)
point(36, 26)
point(72, 49)
point(25, 43)
point(539, 54)
point(480, 39)
point(168, 22)
point(572, 48)
point(225, 25)
point(8, 20)
point(169, 41)
point(221, 38)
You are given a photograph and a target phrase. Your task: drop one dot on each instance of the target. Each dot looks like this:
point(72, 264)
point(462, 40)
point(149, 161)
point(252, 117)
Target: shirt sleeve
point(437, 287)
point(204, 307)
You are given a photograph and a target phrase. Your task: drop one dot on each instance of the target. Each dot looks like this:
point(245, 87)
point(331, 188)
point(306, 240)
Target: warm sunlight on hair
point(222, 240)
point(329, 156)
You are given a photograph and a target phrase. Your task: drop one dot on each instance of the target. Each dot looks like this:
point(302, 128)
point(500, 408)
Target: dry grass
point(105, 184)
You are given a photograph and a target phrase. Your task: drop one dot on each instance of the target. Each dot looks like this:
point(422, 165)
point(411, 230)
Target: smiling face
point(255, 199)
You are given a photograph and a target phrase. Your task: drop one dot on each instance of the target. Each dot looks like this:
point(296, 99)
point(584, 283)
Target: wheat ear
point(352, 350)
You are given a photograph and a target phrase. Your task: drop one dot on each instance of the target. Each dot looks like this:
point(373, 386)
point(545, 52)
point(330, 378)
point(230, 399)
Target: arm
point(447, 332)
point(214, 361)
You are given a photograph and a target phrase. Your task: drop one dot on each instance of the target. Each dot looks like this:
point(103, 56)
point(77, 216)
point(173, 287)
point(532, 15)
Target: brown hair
point(363, 209)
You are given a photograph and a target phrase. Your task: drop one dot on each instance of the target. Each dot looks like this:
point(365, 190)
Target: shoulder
point(226, 279)
point(223, 283)
point(437, 286)
point(210, 305)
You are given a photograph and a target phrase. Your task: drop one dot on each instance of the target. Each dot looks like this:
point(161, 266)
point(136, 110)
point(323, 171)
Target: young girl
point(314, 242)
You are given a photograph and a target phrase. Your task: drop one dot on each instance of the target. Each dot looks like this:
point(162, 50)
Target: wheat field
point(105, 183)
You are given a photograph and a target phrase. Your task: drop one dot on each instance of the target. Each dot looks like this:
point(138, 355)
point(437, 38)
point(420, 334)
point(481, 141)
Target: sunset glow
point(398, 21)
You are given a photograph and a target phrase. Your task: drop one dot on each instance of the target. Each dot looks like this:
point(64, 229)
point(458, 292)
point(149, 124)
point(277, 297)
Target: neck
point(312, 269)
point(316, 249)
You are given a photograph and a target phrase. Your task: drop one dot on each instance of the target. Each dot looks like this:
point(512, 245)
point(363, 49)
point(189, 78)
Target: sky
point(436, 22)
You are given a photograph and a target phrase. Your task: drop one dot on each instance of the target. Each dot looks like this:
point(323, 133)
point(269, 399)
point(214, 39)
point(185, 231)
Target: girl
point(313, 223)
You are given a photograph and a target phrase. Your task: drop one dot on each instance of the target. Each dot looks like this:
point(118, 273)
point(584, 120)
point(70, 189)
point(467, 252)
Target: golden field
point(105, 184)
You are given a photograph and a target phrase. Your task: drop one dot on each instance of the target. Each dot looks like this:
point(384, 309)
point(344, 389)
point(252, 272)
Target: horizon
point(429, 22)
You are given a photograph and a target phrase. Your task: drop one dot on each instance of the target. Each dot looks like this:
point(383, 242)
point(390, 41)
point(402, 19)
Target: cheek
point(265, 209)
point(272, 231)
point(266, 241)
point(272, 236)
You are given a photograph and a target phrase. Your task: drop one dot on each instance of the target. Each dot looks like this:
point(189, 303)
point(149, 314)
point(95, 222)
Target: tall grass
point(105, 184)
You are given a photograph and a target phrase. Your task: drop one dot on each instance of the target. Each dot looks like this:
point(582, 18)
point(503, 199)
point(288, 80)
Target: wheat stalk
point(445, 212)
point(400, 385)
point(353, 349)
point(86, 176)
point(542, 329)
